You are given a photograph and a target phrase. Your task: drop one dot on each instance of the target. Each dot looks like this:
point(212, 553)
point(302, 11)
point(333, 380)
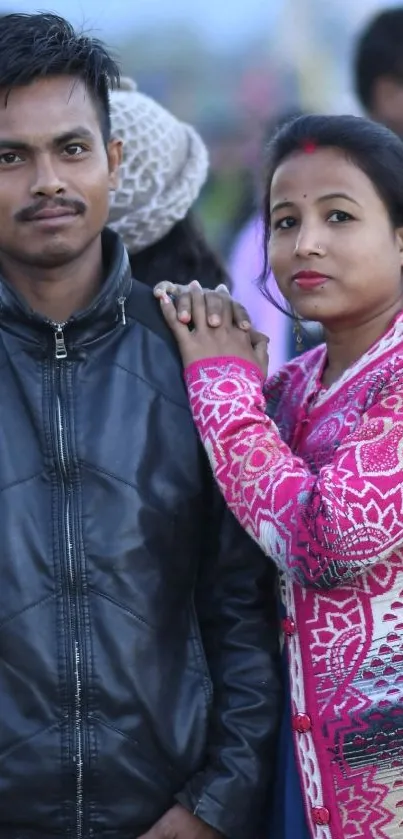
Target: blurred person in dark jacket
point(139, 687)
point(164, 167)
point(378, 68)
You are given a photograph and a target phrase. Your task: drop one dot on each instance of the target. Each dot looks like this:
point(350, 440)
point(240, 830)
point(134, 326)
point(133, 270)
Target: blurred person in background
point(164, 167)
point(228, 197)
point(378, 68)
point(245, 266)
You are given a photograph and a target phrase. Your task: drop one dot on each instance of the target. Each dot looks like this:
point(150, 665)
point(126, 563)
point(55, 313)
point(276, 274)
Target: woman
point(313, 466)
point(165, 165)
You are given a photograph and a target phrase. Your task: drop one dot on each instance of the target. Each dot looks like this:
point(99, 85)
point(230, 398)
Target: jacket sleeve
point(321, 529)
point(237, 612)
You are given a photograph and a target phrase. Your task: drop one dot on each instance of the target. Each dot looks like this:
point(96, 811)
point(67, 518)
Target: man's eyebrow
point(78, 132)
point(73, 134)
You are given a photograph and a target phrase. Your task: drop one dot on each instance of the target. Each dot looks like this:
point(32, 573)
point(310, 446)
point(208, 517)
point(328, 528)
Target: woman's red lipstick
point(309, 279)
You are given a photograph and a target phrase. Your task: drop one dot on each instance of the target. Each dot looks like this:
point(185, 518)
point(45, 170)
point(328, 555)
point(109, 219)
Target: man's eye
point(10, 157)
point(74, 149)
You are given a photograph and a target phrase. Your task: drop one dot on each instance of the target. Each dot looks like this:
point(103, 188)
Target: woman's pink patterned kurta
point(319, 485)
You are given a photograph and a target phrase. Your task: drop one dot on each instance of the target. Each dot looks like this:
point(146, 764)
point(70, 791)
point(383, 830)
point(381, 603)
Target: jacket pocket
point(201, 660)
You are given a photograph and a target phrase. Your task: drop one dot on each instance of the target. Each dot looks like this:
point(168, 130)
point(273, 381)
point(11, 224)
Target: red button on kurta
point(302, 723)
point(320, 815)
point(289, 627)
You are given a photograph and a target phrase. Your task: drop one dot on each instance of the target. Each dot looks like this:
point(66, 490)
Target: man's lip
point(53, 212)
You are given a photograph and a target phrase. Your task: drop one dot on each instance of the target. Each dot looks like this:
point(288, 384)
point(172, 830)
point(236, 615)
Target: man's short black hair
point(378, 52)
point(36, 46)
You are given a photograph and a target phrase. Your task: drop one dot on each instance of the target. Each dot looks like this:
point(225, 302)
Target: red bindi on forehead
point(309, 146)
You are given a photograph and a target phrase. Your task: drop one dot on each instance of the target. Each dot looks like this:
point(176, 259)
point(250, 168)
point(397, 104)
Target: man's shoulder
point(152, 348)
point(143, 308)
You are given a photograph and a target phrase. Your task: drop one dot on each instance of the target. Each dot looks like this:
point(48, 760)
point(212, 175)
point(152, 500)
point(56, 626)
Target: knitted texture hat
point(165, 165)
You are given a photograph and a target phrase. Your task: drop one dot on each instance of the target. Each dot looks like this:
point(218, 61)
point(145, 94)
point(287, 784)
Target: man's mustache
point(29, 213)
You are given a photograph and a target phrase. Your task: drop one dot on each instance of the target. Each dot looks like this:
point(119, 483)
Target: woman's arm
point(321, 529)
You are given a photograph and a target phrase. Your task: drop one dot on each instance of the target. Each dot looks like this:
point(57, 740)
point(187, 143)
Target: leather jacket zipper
point(62, 442)
point(60, 345)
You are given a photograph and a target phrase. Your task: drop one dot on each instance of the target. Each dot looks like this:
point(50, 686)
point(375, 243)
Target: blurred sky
point(223, 22)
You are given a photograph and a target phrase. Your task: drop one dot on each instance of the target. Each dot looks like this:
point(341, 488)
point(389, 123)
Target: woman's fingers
point(180, 330)
point(182, 297)
point(220, 306)
point(260, 344)
point(239, 314)
point(199, 310)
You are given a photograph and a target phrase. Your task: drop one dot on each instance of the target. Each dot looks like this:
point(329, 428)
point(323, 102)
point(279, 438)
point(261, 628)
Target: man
point(378, 68)
point(138, 675)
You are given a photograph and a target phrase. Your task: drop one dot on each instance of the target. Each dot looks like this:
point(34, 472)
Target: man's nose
point(47, 181)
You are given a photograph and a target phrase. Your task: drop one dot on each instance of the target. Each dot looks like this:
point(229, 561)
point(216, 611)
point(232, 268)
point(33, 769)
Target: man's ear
point(115, 155)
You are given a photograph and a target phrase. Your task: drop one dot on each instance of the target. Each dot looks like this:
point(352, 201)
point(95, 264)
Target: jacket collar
point(106, 309)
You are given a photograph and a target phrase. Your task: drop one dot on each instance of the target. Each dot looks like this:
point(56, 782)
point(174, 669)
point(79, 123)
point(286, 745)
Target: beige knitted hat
point(165, 165)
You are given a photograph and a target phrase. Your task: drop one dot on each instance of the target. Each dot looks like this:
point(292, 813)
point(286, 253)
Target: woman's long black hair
point(181, 256)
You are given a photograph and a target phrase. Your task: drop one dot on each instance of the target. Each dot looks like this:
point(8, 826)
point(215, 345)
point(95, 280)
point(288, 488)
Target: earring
point(298, 335)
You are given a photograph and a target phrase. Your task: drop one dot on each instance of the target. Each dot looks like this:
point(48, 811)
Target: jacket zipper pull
point(121, 302)
point(60, 346)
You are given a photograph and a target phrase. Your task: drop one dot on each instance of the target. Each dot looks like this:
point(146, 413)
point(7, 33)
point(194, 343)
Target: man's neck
point(56, 293)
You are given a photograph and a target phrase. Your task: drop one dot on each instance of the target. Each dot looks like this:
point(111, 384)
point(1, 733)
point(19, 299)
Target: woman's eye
point(338, 216)
point(284, 223)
